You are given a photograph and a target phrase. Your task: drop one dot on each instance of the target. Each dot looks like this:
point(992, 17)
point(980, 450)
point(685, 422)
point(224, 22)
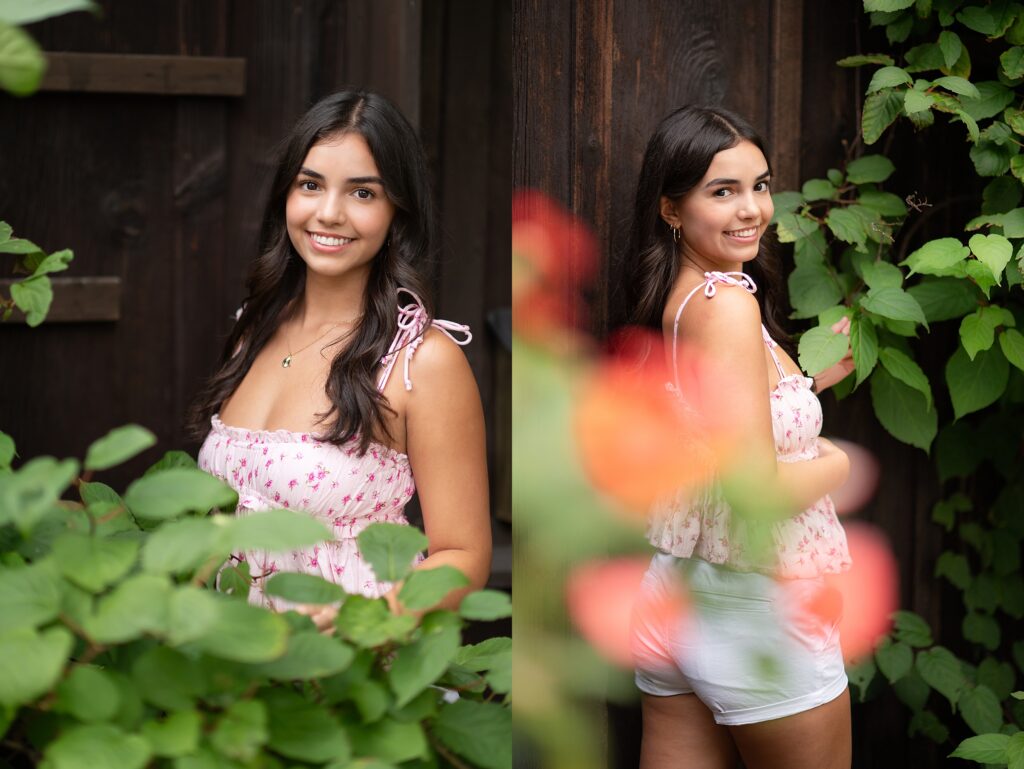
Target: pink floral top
point(701, 525)
point(273, 469)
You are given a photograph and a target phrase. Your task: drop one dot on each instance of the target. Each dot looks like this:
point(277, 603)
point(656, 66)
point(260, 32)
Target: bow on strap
point(412, 323)
point(740, 279)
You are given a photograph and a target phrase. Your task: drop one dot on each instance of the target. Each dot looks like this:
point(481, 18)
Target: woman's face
point(336, 212)
point(722, 219)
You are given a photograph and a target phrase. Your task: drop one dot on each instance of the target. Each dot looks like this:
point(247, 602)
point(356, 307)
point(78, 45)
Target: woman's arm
point(445, 442)
point(726, 330)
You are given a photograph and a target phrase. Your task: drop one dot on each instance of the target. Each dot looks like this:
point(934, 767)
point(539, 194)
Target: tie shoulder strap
point(413, 322)
point(740, 279)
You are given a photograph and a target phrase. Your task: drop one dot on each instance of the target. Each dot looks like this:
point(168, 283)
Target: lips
point(748, 232)
point(328, 243)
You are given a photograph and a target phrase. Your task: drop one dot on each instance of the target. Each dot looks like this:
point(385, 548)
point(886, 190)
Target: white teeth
point(742, 233)
point(323, 240)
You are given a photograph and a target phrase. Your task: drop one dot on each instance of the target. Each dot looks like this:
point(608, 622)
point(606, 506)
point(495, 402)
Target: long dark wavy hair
point(278, 275)
point(677, 157)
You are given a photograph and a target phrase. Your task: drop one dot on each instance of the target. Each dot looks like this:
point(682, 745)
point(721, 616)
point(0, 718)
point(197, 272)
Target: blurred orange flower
point(602, 598)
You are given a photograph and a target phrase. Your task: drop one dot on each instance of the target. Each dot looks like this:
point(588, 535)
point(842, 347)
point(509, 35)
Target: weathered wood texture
point(162, 192)
point(591, 82)
point(127, 73)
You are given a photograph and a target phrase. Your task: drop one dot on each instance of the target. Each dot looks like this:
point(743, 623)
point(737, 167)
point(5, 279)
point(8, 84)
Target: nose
point(331, 209)
point(748, 207)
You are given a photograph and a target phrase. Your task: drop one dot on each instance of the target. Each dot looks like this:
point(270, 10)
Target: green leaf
point(902, 410)
point(912, 691)
point(1012, 61)
point(176, 735)
point(981, 710)
point(997, 676)
point(886, 77)
point(486, 654)
point(31, 663)
point(977, 330)
point(390, 549)
point(304, 588)
point(880, 110)
point(241, 731)
point(981, 275)
point(927, 723)
point(917, 101)
point(20, 13)
point(983, 749)
point(883, 203)
point(368, 623)
point(992, 159)
point(32, 295)
point(812, 289)
point(864, 345)
point(245, 633)
point(994, 98)
point(794, 227)
point(274, 531)
point(389, 740)
point(862, 674)
point(7, 452)
point(97, 746)
point(117, 446)
point(1003, 193)
point(817, 189)
point(870, 168)
point(821, 347)
point(941, 671)
point(89, 694)
point(93, 562)
point(1011, 342)
point(425, 588)
point(304, 731)
point(422, 662)
point(936, 255)
point(893, 303)
point(786, 202)
point(905, 369)
point(192, 611)
point(309, 655)
point(29, 595)
point(994, 250)
point(973, 385)
point(478, 731)
point(895, 660)
point(30, 493)
point(136, 606)
point(846, 226)
point(950, 45)
point(170, 493)
point(954, 567)
point(172, 459)
point(865, 59)
point(22, 63)
point(944, 298)
point(886, 5)
point(982, 629)
point(958, 86)
point(181, 546)
point(922, 58)
point(486, 605)
point(168, 679)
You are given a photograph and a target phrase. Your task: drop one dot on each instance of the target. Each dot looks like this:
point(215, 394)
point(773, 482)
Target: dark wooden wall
point(161, 192)
point(591, 81)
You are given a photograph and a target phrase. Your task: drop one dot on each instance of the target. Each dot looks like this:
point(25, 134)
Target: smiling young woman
point(305, 412)
point(700, 274)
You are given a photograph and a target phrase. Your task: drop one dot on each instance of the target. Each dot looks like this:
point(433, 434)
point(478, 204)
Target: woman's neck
point(325, 302)
point(691, 260)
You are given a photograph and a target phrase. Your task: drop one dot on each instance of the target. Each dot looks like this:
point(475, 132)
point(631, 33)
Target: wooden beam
point(125, 73)
point(786, 91)
point(77, 300)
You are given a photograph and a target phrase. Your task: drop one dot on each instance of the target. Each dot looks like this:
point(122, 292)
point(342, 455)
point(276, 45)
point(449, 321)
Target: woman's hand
point(838, 371)
point(323, 616)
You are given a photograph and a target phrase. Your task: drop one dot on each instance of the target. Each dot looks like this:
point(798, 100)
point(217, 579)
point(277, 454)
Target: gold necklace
point(288, 358)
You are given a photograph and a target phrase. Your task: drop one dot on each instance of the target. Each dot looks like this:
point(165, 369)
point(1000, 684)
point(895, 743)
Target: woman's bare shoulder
point(731, 310)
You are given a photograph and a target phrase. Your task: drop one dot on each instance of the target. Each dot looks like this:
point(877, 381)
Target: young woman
point(337, 386)
point(749, 670)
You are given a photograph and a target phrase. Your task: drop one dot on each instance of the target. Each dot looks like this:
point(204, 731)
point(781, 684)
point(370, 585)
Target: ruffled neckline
point(292, 437)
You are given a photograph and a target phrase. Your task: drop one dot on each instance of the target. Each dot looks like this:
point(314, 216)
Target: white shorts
point(747, 646)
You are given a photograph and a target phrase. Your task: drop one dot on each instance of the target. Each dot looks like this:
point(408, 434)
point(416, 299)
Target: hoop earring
point(675, 234)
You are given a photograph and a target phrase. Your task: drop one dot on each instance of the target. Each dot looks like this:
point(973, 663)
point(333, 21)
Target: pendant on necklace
point(286, 362)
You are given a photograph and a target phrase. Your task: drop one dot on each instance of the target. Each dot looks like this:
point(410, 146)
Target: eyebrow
point(715, 182)
point(353, 180)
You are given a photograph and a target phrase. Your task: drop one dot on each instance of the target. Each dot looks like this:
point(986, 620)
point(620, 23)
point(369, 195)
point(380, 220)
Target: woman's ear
point(668, 211)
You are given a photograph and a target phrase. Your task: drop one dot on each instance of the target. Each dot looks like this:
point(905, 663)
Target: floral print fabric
point(701, 525)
